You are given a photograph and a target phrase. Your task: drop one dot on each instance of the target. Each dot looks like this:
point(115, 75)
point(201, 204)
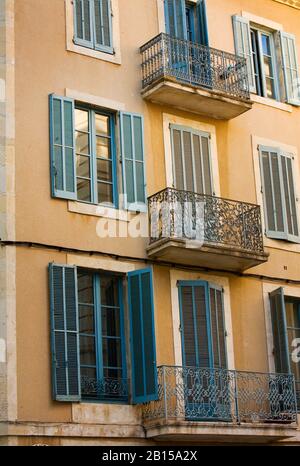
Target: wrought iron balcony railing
point(197, 394)
point(194, 64)
point(105, 388)
point(178, 214)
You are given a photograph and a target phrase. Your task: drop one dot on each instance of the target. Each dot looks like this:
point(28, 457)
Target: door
point(204, 376)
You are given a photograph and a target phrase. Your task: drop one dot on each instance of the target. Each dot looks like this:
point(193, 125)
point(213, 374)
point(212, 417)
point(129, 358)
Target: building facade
point(149, 261)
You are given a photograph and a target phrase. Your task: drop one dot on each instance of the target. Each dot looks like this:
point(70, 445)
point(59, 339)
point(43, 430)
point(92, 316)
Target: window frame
point(97, 310)
point(92, 44)
point(274, 61)
point(285, 235)
point(92, 111)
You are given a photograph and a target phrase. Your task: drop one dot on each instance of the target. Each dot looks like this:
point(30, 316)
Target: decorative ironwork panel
point(105, 388)
point(199, 394)
point(194, 64)
point(221, 221)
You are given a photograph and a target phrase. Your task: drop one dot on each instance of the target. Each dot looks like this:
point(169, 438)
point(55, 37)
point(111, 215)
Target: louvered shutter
point(143, 350)
point(62, 147)
point(242, 40)
point(290, 68)
point(103, 25)
point(217, 327)
point(201, 23)
point(175, 18)
point(83, 27)
point(133, 163)
point(280, 338)
point(64, 333)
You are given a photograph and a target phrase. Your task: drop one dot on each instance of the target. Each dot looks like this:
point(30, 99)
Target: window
point(187, 20)
point(95, 156)
point(83, 155)
point(285, 314)
point(271, 58)
point(93, 24)
point(278, 189)
point(191, 160)
point(88, 335)
point(101, 336)
point(264, 61)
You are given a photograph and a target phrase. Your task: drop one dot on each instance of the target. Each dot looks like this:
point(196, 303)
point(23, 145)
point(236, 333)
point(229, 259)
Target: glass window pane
point(83, 190)
point(85, 288)
point(102, 124)
point(82, 143)
point(88, 381)
point(86, 319)
point(87, 350)
point(111, 349)
point(103, 147)
point(270, 84)
point(81, 120)
point(105, 192)
point(266, 44)
point(112, 373)
point(110, 322)
point(104, 170)
point(109, 291)
point(83, 166)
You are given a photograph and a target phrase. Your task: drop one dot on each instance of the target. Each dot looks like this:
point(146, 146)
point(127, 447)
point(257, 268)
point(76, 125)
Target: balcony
point(227, 406)
point(199, 230)
point(194, 78)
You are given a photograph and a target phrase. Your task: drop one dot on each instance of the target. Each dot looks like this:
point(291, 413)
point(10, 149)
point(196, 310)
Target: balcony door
point(205, 380)
point(191, 159)
point(186, 23)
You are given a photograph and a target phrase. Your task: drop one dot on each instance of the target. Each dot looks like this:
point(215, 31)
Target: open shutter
point(175, 18)
point(103, 25)
point(143, 351)
point(289, 197)
point(62, 147)
point(290, 68)
point(201, 23)
point(133, 163)
point(242, 40)
point(278, 316)
point(64, 333)
point(272, 191)
point(83, 20)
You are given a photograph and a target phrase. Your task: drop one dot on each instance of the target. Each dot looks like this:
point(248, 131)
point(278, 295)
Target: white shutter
point(242, 40)
point(290, 68)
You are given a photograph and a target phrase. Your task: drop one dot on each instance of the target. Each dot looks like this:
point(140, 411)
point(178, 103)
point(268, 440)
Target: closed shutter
point(64, 333)
point(280, 338)
point(175, 18)
point(103, 25)
point(279, 194)
point(83, 14)
point(290, 68)
point(62, 147)
point(143, 351)
point(201, 23)
point(217, 327)
point(191, 160)
point(242, 40)
point(133, 163)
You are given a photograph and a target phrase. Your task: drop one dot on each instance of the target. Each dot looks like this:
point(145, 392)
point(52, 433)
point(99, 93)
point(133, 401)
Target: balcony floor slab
point(168, 91)
point(210, 256)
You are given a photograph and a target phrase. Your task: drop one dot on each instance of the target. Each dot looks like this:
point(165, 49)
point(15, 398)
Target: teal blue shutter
point(62, 147)
point(290, 68)
point(201, 23)
point(243, 48)
point(83, 22)
point(175, 18)
point(133, 161)
point(64, 333)
point(218, 332)
point(103, 25)
point(143, 351)
point(279, 326)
